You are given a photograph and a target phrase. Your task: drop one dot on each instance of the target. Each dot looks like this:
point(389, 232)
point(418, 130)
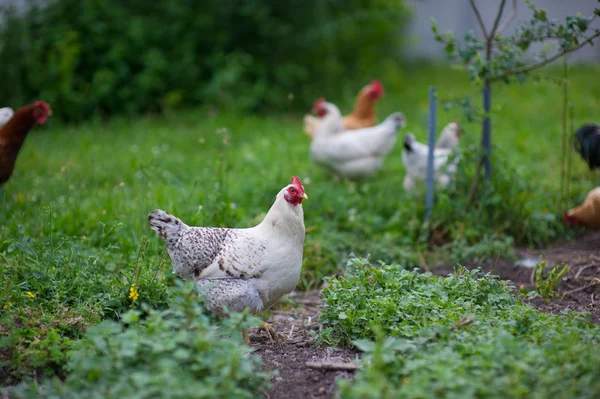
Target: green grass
point(73, 216)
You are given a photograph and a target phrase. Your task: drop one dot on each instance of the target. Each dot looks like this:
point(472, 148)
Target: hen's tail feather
point(166, 225)
point(408, 143)
point(310, 124)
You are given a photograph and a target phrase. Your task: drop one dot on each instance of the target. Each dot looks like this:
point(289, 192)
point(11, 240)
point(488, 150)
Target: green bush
point(172, 353)
point(510, 205)
point(403, 302)
point(463, 336)
point(98, 57)
point(55, 286)
point(534, 356)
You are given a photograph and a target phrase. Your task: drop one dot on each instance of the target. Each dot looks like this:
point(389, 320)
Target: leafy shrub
point(55, 286)
point(510, 205)
point(403, 302)
point(463, 336)
point(533, 356)
point(546, 287)
point(103, 57)
point(171, 353)
point(32, 340)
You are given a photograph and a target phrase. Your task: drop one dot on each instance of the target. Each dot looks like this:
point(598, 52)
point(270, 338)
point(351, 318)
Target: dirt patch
point(295, 321)
point(295, 379)
point(579, 289)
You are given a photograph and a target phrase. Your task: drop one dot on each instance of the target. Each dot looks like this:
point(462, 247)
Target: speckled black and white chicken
point(241, 268)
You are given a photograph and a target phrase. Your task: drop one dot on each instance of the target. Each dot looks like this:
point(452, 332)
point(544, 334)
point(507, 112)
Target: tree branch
point(497, 21)
point(481, 24)
point(508, 19)
point(545, 62)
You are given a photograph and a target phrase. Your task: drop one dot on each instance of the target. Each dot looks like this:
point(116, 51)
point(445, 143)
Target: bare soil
point(295, 326)
point(297, 319)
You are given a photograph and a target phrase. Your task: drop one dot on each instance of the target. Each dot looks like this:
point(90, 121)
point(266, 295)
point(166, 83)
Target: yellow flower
point(31, 294)
point(134, 294)
point(7, 305)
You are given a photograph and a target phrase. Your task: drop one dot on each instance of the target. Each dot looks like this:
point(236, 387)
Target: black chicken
point(587, 144)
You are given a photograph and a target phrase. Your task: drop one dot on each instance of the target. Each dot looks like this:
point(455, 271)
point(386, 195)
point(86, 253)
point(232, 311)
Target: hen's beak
point(304, 196)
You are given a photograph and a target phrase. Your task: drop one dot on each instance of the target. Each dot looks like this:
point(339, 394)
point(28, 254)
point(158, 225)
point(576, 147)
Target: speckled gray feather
point(193, 249)
point(236, 294)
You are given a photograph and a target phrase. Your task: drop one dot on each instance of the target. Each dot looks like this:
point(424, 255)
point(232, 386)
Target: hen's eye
point(292, 191)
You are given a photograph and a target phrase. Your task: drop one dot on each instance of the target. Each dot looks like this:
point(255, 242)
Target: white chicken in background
point(449, 136)
point(241, 268)
point(331, 122)
point(414, 158)
point(352, 154)
point(5, 114)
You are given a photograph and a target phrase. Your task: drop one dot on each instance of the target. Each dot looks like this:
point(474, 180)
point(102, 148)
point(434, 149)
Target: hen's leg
point(245, 336)
point(408, 183)
point(271, 333)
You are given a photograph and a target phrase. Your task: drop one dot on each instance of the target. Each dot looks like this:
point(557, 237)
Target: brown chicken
point(586, 214)
point(363, 114)
point(12, 135)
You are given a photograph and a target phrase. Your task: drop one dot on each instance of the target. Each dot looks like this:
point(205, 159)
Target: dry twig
point(584, 267)
point(332, 366)
point(594, 282)
point(465, 321)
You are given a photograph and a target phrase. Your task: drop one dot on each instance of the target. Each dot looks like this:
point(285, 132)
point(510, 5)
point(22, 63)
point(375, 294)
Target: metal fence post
point(431, 143)
point(486, 138)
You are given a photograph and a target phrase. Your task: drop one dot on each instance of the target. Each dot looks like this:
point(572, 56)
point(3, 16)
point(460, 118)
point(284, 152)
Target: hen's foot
point(271, 333)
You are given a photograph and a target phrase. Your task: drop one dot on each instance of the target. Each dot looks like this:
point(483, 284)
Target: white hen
point(5, 114)
point(331, 122)
point(414, 158)
point(449, 136)
point(352, 154)
point(240, 268)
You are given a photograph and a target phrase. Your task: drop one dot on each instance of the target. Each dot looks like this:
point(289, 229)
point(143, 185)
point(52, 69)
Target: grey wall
point(457, 15)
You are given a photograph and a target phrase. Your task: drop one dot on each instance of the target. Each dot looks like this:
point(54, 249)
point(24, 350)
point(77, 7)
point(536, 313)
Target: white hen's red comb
point(296, 182)
point(318, 104)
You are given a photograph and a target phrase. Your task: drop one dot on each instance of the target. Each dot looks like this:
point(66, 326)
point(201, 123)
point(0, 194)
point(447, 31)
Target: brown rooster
point(12, 135)
point(586, 214)
point(363, 114)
